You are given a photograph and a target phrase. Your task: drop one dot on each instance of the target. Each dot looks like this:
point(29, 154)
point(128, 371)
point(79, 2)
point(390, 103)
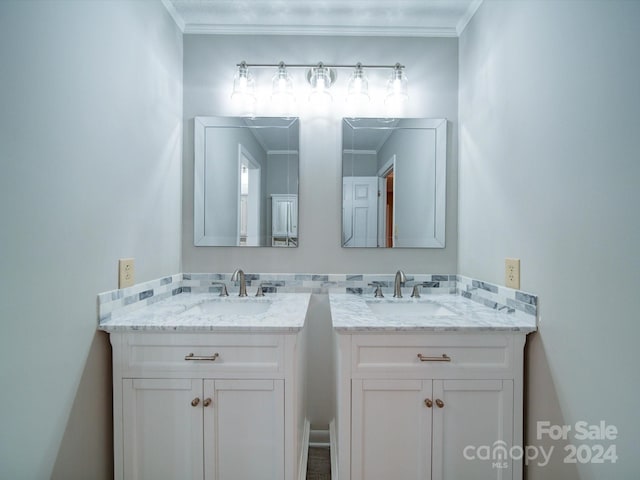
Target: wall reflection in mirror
point(393, 182)
point(246, 181)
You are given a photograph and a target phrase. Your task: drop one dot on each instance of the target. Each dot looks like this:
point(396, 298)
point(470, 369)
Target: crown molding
point(174, 14)
point(468, 15)
point(320, 30)
point(351, 151)
point(282, 152)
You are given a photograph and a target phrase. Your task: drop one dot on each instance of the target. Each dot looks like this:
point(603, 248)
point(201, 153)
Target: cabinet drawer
point(416, 355)
point(203, 354)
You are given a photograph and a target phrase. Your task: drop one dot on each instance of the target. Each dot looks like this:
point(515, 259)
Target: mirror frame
point(439, 125)
point(201, 123)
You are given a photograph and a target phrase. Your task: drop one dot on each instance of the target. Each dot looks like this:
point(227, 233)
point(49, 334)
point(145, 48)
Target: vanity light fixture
point(321, 78)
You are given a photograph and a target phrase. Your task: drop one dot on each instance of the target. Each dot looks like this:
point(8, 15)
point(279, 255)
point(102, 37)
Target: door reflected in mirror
point(394, 182)
point(246, 181)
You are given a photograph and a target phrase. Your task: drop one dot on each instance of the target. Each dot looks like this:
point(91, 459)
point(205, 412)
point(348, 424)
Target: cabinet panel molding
point(162, 430)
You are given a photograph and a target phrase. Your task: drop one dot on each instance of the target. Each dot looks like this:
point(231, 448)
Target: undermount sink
point(230, 307)
point(413, 309)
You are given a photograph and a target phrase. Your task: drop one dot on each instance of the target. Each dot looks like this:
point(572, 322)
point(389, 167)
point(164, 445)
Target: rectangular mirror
point(393, 182)
point(246, 181)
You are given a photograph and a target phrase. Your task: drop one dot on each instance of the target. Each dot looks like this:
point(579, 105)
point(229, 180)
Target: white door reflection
point(248, 199)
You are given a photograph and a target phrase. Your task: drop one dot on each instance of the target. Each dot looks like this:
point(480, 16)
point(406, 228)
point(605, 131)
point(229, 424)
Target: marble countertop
point(188, 312)
point(442, 313)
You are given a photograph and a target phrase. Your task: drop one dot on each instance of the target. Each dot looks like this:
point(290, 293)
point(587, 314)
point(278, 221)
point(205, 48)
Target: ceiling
point(366, 134)
point(275, 134)
point(422, 18)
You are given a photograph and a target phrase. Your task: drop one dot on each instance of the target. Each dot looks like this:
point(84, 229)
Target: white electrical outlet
point(512, 272)
point(126, 272)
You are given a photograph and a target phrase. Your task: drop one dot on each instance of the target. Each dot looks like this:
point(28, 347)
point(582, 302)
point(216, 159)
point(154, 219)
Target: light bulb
point(282, 88)
point(397, 89)
point(320, 78)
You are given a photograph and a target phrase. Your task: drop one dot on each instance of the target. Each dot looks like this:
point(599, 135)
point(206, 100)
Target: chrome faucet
point(399, 281)
point(238, 275)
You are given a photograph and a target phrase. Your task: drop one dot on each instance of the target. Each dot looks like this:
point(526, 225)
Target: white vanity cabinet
point(214, 406)
point(410, 403)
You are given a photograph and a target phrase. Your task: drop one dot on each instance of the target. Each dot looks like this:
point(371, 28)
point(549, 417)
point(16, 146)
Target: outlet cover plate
point(512, 272)
point(126, 272)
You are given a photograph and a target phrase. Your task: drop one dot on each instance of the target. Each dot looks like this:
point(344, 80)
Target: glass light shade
point(320, 80)
point(358, 87)
point(397, 87)
point(282, 88)
point(244, 89)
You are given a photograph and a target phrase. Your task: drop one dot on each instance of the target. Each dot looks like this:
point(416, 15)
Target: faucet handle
point(260, 292)
point(416, 289)
point(378, 292)
point(223, 290)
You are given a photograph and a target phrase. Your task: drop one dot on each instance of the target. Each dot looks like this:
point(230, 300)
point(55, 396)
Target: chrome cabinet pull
point(443, 358)
point(211, 358)
point(439, 403)
point(195, 402)
point(207, 402)
point(428, 402)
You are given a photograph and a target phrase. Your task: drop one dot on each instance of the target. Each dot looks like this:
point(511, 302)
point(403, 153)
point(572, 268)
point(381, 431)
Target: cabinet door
point(244, 429)
point(474, 413)
point(162, 430)
point(293, 220)
point(281, 215)
point(391, 430)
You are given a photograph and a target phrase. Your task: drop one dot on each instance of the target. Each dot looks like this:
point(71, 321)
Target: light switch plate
point(512, 272)
point(126, 272)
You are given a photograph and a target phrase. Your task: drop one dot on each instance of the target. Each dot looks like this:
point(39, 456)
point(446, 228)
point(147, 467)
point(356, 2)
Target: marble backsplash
point(147, 293)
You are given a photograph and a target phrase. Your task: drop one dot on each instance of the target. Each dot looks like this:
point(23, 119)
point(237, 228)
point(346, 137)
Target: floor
point(319, 464)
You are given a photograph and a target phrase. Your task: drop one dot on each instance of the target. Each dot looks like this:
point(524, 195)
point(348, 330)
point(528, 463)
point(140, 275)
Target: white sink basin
point(230, 307)
point(413, 309)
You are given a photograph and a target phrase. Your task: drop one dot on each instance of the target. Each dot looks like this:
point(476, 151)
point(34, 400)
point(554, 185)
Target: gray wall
point(414, 183)
point(549, 173)
point(282, 173)
point(358, 164)
point(90, 145)
point(209, 66)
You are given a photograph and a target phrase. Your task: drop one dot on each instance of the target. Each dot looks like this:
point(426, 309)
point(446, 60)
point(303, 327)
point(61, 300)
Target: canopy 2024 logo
point(499, 453)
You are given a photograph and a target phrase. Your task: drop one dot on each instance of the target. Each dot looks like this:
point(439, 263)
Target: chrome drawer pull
point(211, 358)
point(443, 358)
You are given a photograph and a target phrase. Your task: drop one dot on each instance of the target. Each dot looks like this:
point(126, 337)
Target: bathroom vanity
point(210, 388)
point(421, 384)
